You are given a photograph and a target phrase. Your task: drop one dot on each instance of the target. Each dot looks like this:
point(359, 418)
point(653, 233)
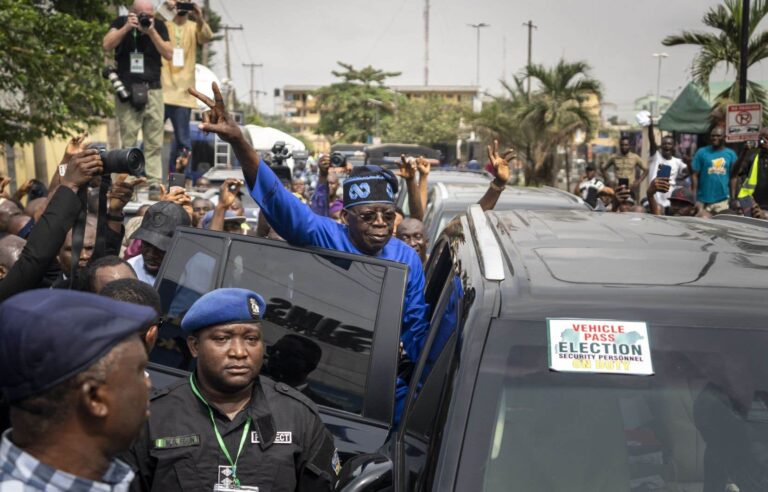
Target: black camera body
point(280, 153)
point(122, 92)
point(120, 161)
point(338, 159)
point(145, 20)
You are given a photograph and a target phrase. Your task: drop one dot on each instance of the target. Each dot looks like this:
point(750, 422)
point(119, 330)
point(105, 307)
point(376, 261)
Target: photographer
point(139, 44)
point(178, 73)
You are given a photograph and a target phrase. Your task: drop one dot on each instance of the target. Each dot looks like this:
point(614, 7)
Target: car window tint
point(190, 272)
point(700, 422)
point(320, 317)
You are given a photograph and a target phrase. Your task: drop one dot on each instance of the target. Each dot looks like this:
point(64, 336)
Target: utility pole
point(744, 51)
point(231, 91)
point(252, 66)
point(426, 42)
point(660, 56)
point(477, 28)
point(530, 27)
point(504, 59)
point(206, 11)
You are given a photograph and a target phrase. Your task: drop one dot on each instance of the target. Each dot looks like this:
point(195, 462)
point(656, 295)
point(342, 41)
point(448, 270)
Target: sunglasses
point(370, 217)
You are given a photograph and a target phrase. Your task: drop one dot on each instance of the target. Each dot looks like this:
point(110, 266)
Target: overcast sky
point(299, 41)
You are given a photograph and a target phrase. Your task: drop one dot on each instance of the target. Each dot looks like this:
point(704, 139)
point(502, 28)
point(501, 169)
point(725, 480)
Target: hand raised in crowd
point(226, 195)
point(217, 120)
point(82, 168)
point(76, 144)
point(177, 195)
point(132, 22)
point(757, 212)
point(324, 164)
point(4, 182)
point(658, 185)
point(197, 13)
point(501, 162)
point(622, 194)
point(24, 189)
point(121, 192)
point(423, 165)
point(407, 167)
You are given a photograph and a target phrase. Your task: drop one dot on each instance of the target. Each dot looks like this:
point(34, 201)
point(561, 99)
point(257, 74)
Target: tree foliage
point(423, 121)
point(350, 109)
point(549, 118)
point(50, 78)
point(724, 46)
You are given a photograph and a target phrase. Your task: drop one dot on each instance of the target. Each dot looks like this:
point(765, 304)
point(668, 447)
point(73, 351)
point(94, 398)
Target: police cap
point(224, 306)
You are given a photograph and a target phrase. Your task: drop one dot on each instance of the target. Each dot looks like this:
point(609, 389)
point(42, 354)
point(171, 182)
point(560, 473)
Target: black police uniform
point(287, 447)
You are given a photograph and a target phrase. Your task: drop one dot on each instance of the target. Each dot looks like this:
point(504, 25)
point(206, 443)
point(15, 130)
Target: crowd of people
point(77, 408)
point(715, 181)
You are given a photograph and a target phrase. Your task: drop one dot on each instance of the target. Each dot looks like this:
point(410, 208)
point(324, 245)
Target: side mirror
point(366, 473)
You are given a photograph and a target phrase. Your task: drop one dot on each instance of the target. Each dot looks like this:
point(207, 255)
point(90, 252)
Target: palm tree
point(555, 112)
point(724, 46)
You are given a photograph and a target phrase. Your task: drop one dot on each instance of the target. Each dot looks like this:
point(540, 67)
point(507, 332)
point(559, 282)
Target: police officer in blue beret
point(225, 427)
point(72, 369)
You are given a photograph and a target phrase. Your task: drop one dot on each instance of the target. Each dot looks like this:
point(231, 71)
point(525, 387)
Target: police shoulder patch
point(296, 395)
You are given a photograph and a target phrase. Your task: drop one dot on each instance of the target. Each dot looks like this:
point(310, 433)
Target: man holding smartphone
point(713, 179)
point(664, 155)
point(625, 164)
point(178, 73)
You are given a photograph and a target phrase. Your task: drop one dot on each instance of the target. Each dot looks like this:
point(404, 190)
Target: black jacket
point(287, 447)
point(43, 243)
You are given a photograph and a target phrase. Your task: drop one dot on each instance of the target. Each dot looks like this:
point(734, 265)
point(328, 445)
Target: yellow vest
point(748, 187)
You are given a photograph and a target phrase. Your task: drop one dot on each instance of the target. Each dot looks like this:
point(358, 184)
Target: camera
point(280, 152)
point(183, 8)
point(110, 74)
point(145, 20)
point(338, 159)
point(130, 160)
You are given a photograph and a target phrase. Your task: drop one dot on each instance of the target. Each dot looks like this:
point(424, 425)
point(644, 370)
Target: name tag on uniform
point(280, 437)
point(137, 62)
point(177, 441)
point(178, 57)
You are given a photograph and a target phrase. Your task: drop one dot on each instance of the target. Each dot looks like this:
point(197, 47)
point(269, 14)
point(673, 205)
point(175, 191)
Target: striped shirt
point(21, 472)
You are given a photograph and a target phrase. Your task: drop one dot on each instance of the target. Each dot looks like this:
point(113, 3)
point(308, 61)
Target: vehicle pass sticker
point(599, 346)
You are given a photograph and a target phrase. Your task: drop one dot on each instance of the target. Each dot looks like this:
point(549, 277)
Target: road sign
point(743, 122)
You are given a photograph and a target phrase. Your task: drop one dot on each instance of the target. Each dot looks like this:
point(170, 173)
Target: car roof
point(457, 196)
point(638, 262)
point(456, 176)
point(218, 174)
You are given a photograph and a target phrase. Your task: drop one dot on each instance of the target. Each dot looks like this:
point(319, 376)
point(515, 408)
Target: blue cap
point(224, 306)
point(49, 335)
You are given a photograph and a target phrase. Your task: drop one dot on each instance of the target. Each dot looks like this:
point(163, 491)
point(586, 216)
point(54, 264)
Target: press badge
point(137, 62)
point(227, 483)
point(178, 57)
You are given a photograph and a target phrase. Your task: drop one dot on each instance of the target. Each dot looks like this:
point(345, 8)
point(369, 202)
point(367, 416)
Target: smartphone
point(176, 179)
point(591, 197)
point(184, 6)
point(746, 206)
point(665, 171)
point(624, 182)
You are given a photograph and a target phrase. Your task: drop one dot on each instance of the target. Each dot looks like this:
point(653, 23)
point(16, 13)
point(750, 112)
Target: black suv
point(498, 401)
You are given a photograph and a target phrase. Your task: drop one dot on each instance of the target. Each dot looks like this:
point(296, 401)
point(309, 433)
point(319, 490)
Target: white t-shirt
point(675, 176)
point(137, 262)
point(585, 185)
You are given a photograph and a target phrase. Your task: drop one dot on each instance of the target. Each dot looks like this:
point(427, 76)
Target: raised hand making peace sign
point(217, 120)
point(501, 164)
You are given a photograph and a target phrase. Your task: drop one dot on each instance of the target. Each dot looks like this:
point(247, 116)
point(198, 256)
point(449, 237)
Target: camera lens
point(129, 161)
point(338, 159)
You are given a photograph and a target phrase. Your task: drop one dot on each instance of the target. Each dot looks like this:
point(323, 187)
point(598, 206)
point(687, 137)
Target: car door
point(331, 327)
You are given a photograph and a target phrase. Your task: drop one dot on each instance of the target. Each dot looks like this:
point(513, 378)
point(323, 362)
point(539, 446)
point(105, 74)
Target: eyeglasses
point(370, 216)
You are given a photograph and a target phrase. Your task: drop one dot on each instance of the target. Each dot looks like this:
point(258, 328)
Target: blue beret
point(224, 306)
point(49, 335)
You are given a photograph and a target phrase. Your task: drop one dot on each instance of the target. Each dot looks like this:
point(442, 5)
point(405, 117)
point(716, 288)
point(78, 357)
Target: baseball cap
point(683, 194)
point(159, 223)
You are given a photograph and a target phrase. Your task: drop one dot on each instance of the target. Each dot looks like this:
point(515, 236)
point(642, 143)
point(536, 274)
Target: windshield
point(699, 423)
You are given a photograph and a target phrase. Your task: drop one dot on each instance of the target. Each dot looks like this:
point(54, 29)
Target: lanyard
point(178, 33)
point(223, 446)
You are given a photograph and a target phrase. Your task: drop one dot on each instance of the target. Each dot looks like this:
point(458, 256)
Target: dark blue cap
point(49, 335)
point(224, 306)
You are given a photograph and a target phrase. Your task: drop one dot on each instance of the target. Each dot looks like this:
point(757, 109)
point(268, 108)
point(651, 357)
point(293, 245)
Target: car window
point(320, 318)
point(188, 273)
point(700, 422)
